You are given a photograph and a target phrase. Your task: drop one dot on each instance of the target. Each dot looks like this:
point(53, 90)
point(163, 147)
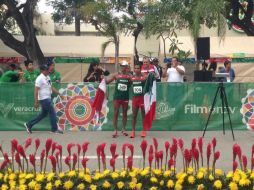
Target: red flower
point(150, 157)
point(155, 143)
point(131, 147)
point(57, 154)
point(28, 142)
point(187, 156)
point(67, 161)
point(129, 162)
point(69, 147)
point(200, 145)
point(143, 147)
point(124, 150)
point(42, 156)
point(181, 143)
point(48, 146)
point(14, 145)
point(37, 144)
point(252, 152)
point(167, 146)
point(244, 159)
point(21, 151)
point(53, 162)
point(60, 148)
point(235, 165)
point(208, 152)
point(252, 163)
point(75, 160)
point(173, 150)
point(54, 145)
point(216, 156)
point(79, 148)
point(193, 143)
point(113, 149)
point(174, 140)
point(17, 159)
point(235, 151)
point(4, 164)
point(32, 159)
point(85, 147)
point(195, 154)
point(84, 162)
point(171, 163)
point(6, 157)
point(214, 142)
point(112, 163)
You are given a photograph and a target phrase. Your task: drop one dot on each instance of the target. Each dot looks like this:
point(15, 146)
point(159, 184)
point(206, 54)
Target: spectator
point(159, 69)
point(147, 67)
point(95, 73)
point(213, 67)
point(13, 75)
point(30, 73)
point(54, 75)
point(175, 73)
point(227, 69)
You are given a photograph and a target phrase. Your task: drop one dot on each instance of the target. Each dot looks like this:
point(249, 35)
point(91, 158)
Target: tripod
point(224, 101)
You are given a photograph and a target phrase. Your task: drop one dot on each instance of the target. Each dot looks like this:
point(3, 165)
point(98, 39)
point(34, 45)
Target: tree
point(240, 13)
point(104, 15)
point(22, 15)
point(164, 17)
point(68, 11)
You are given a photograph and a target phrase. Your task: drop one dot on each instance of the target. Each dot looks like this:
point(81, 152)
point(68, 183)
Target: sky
point(43, 7)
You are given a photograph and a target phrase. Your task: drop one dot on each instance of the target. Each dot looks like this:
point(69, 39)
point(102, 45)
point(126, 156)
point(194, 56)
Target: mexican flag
point(100, 99)
point(149, 101)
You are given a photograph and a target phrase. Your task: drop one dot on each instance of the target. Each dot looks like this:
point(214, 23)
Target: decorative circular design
point(247, 109)
point(79, 110)
point(74, 108)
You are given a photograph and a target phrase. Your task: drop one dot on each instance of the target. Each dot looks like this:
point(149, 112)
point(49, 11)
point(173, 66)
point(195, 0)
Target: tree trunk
point(29, 48)
point(77, 23)
point(117, 42)
point(136, 33)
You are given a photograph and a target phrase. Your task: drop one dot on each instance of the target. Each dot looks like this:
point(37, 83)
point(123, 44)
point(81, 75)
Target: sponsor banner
point(180, 106)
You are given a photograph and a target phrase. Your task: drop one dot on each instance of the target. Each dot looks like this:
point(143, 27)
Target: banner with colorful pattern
point(180, 106)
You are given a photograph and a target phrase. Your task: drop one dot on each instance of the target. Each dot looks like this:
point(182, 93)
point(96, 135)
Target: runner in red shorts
point(121, 96)
point(138, 83)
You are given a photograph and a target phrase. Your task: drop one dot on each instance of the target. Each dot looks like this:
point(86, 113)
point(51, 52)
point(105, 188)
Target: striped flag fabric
point(100, 99)
point(149, 101)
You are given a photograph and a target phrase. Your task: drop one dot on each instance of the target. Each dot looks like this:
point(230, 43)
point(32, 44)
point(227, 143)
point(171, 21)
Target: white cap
point(124, 63)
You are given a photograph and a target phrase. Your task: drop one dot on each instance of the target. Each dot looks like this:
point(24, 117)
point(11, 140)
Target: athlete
point(138, 83)
point(121, 95)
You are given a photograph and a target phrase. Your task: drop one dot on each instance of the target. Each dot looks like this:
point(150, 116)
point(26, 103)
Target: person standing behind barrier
point(54, 75)
point(121, 95)
point(147, 68)
point(30, 73)
point(175, 73)
point(13, 75)
point(95, 73)
point(159, 69)
point(138, 83)
point(227, 69)
point(42, 94)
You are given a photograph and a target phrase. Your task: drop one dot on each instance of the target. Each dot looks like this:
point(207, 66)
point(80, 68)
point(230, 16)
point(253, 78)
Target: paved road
point(224, 143)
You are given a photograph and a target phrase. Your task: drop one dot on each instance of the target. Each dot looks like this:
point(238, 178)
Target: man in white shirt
point(175, 73)
point(42, 95)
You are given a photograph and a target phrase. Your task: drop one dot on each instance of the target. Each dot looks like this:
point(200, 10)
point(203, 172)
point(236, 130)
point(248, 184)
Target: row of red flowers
point(162, 159)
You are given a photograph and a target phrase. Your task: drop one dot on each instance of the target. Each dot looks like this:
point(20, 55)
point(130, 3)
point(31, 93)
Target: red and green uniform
point(122, 87)
point(30, 76)
point(138, 83)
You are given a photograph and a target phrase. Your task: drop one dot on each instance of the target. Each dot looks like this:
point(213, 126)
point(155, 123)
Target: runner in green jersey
point(121, 95)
